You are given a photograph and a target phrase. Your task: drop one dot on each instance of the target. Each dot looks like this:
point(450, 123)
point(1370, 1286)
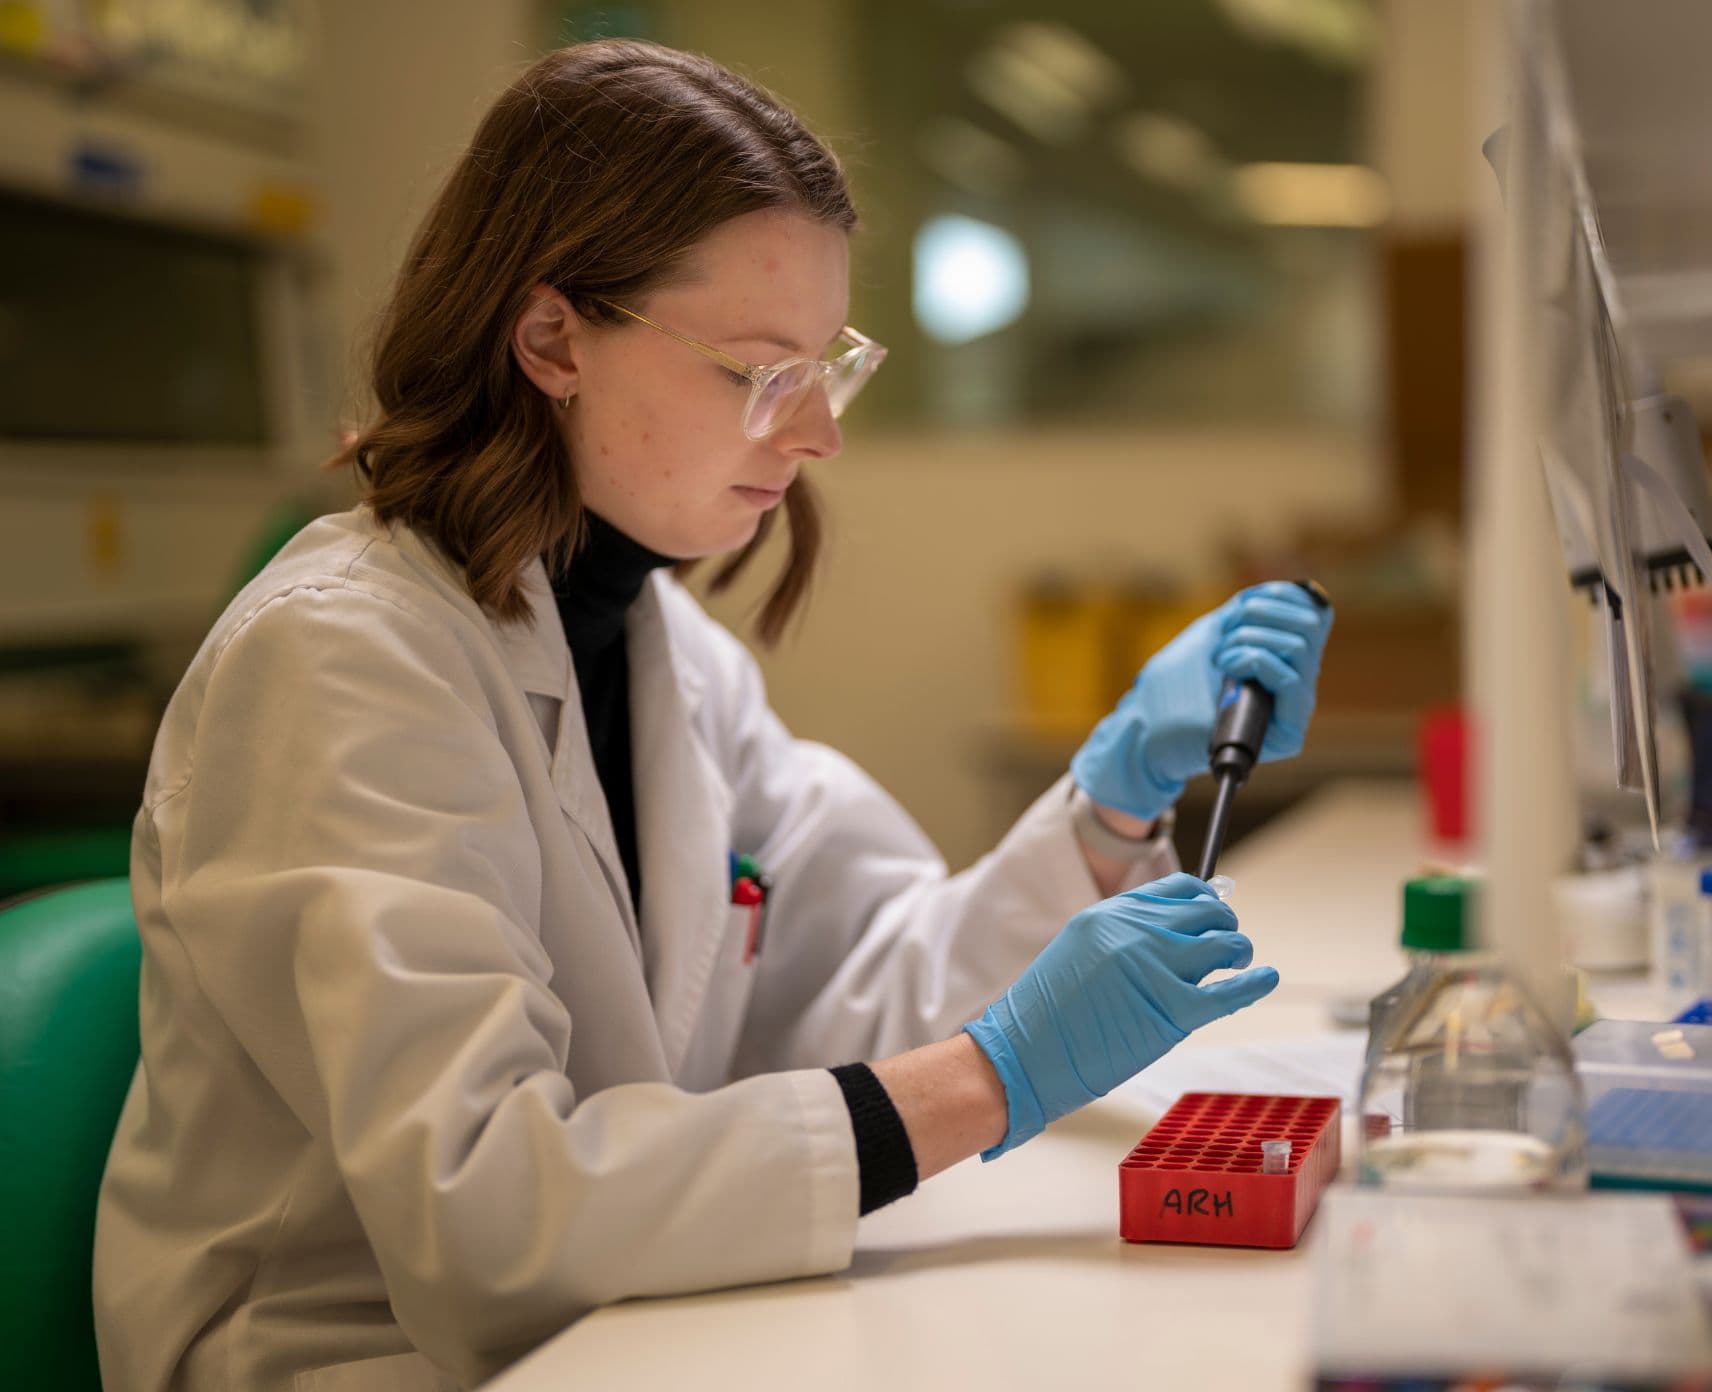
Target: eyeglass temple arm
point(707, 350)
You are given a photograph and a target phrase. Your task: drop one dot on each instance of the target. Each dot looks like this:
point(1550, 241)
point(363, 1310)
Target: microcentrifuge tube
point(1275, 1157)
point(1222, 885)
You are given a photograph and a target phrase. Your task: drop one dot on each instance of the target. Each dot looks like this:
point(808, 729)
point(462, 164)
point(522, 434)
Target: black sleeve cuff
point(885, 1160)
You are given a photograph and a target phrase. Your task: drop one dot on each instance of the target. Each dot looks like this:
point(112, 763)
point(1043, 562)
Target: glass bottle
point(1469, 1087)
point(1433, 918)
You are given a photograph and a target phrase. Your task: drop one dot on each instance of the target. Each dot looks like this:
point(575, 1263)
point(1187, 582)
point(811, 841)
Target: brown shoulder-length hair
point(597, 172)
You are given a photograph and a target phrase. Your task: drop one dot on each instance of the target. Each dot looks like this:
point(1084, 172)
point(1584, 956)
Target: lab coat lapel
point(537, 655)
point(540, 659)
point(683, 814)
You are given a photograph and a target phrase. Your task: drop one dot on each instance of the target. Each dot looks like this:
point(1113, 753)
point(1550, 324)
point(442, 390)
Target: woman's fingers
point(1251, 663)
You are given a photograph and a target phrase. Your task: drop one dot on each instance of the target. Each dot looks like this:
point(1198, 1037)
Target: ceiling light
point(1169, 150)
point(1067, 55)
point(1313, 195)
point(973, 159)
point(1338, 33)
point(971, 279)
point(1037, 101)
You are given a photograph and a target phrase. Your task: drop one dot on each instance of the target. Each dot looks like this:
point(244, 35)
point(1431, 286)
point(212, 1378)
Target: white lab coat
point(416, 1090)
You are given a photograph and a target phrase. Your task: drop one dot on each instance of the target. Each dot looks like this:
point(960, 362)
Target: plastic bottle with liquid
point(1674, 914)
point(1469, 1087)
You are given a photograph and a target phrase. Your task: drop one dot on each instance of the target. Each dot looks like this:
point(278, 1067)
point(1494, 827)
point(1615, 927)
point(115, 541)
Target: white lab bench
point(1012, 1274)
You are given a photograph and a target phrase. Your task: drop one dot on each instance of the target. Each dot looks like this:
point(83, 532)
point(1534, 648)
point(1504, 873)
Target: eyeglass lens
point(787, 390)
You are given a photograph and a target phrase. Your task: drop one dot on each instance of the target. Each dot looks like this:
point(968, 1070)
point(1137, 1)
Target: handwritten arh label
point(1197, 1201)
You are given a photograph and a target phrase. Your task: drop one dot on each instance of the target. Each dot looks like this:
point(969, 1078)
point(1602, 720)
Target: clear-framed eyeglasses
point(777, 390)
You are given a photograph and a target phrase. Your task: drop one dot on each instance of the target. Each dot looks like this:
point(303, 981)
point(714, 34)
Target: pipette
point(1245, 710)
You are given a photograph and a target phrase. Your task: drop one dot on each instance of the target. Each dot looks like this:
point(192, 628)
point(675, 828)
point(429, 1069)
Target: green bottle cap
point(1434, 913)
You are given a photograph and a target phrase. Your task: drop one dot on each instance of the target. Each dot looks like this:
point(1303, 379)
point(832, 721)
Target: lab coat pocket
point(708, 1061)
point(396, 1372)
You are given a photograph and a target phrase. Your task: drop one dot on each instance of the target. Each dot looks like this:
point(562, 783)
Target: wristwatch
point(1102, 840)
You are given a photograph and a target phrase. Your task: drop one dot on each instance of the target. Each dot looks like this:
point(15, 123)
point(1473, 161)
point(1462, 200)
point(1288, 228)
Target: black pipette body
point(1245, 710)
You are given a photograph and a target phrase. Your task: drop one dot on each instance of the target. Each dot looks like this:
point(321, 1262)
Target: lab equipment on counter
point(1080, 635)
point(1434, 918)
point(1206, 1171)
point(1675, 915)
point(1245, 712)
point(1622, 457)
point(1436, 915)
point(1441, 759)
point(1604, 917)
point(1700, 1013)
point(1649, 1103)
point(1478, 1087)
point(1594, 1289)
point(1062, 641)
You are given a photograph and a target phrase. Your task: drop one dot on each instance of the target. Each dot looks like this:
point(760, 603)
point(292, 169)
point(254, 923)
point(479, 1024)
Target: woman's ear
point(546, 340)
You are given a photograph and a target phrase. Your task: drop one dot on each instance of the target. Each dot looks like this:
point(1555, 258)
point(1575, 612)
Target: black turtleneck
point(594, 593)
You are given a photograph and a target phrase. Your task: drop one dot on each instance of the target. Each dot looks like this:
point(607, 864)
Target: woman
point(457, 1017)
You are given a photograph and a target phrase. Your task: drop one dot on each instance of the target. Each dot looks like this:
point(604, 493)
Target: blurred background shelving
point(1175, 298)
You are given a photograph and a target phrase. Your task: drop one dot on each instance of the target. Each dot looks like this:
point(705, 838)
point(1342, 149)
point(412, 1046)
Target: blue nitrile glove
point(1140, 756)
point(1112, 992)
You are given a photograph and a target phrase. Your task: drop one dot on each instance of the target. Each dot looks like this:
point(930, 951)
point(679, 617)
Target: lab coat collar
point(537, 654)
point(683, 801)
point(539, 657)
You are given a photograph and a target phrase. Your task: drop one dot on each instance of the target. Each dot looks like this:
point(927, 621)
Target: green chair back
point(69, 961)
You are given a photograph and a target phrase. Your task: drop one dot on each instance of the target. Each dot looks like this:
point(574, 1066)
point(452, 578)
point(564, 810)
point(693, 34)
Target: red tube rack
point(1196, 1176)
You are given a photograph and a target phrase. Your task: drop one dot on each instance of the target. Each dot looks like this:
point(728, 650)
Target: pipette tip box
point(1197, 1176)
point(1648, 1089)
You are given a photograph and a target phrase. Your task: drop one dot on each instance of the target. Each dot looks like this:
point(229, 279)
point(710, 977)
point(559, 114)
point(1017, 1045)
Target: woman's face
point(654, 428)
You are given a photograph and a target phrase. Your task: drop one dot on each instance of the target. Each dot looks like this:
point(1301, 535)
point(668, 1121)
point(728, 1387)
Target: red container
point(1196, 1175)
point(1443, 756)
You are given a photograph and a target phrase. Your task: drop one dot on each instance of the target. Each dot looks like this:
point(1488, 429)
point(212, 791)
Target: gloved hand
point(1111, 993)
point(1140, 756)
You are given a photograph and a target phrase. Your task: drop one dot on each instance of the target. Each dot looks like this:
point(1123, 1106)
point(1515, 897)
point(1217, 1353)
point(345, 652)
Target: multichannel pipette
point(1245, 710)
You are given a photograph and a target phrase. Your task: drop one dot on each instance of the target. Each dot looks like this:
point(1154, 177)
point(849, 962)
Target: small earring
point(565, 405)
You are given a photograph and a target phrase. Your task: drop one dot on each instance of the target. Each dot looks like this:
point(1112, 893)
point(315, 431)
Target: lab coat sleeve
point(353, 875)
point(870, 947)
